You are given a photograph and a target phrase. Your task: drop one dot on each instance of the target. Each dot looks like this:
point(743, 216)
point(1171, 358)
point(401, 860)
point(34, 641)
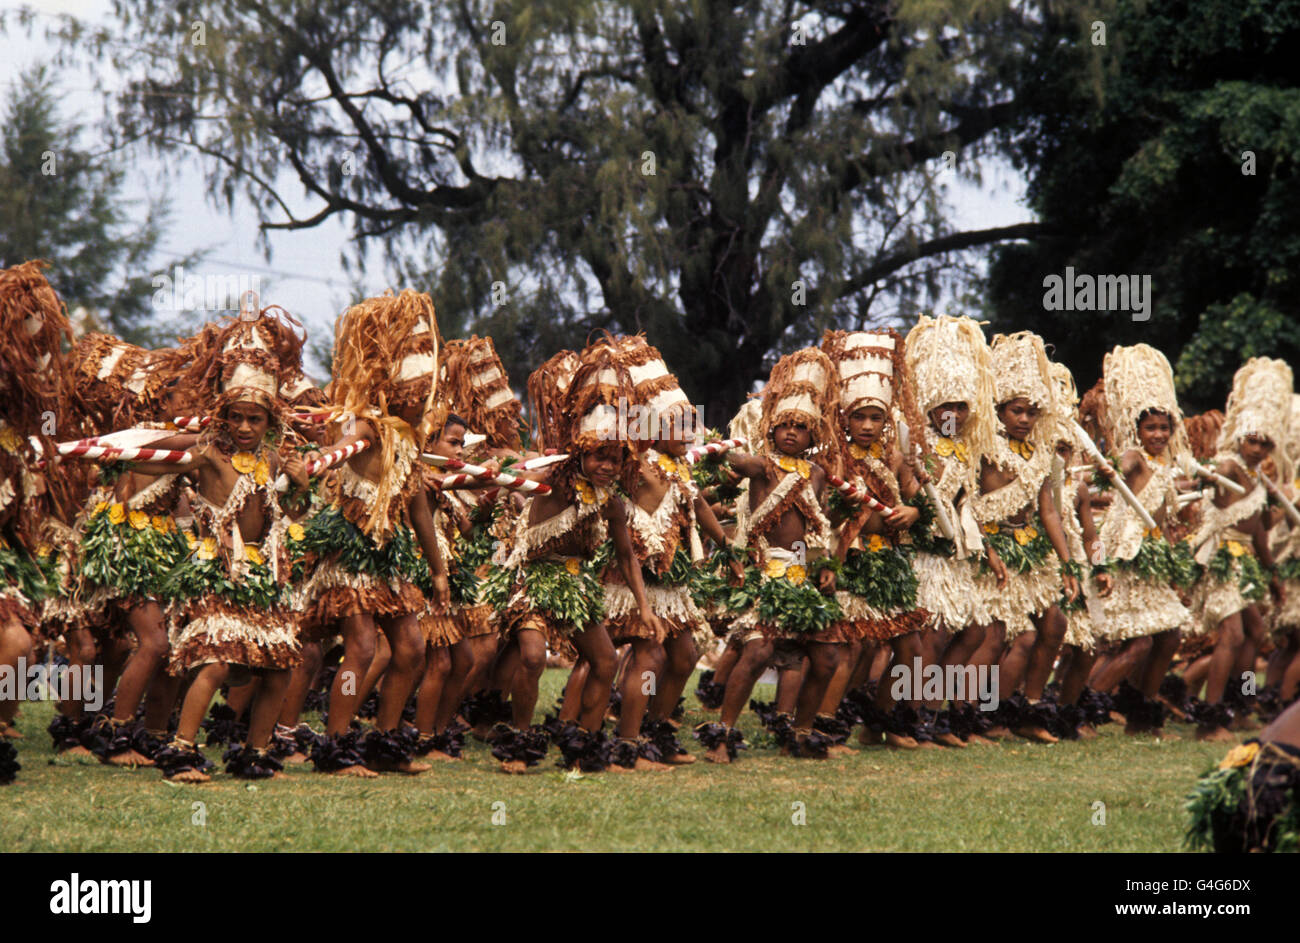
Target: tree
point(730, 178)
point(1169, 152)
point(65, 204)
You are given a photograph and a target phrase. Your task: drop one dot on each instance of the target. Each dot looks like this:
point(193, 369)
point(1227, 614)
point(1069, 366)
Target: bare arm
point(1052, 524)
point(616, 517)
point(746, 465)
point(422, 524)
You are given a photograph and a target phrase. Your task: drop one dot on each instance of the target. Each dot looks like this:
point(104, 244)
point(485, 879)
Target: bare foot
point(514, 766)
point(718, 755)
point(975, 740)
point(10, 732)
point(899, 742)
point(441, 757)
point(296, 757)
point(1173, 708)
point(129, 758)
point(481, 732)
point(950, 740)
point(1214, 735)
point(1118, 718)
point(642, 766)
point(406, 768)
point(1088, 732)
point(359, 771)
point(1037, 734)
point(680, 759)
point(840, 749)
point(78, 750)
point(997, 733)
point(190, 776)
point(1244, 722)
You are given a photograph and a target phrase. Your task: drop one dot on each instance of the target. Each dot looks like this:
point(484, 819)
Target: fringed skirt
point(334, 593)
point(211, 630)
point(946, 589)
point(14, 606)
point(478, 620)
point(864, 622)
point(1025, 595)
point(671, 603)
point(439, 630)
point(1137, 607)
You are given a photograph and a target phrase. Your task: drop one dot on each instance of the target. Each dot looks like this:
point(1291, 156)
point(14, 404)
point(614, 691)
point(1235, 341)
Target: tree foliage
point(65, 204)
point(1169, 151)
point(730, 178)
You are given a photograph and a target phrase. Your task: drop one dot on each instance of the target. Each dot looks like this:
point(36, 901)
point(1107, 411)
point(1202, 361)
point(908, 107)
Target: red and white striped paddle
point(327, 460)
point(853, 493)
point(716, 447)
point(115, 454)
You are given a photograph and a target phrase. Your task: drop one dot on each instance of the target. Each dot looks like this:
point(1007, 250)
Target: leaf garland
point(1252, 581)
point(1019, 557)
point(130, 559)
point(884, 578)
point(196, 577)
point(329, 532)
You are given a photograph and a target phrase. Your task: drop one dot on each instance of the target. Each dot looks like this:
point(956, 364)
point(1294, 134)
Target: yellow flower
point(100, 508)
point(875, 543)
point(1021, 448)
point(860, 453)
point(786, 463)
point(1153, 532)
point(10, 440)
point(585, 491)
point(139, 520)
point(945, 447)
point(244, 462)
point(990, 528)
point(1240, 755)
point(44, 550)
point(261, 472)
point(252, 554)
point(1021, 535)
point(162, 524)
point(208, 551)
point(573, 565)
point(296, 532)
point(775, 569)
point(117, 513)
point(191, 540)
point(671, 466)
point(796, 574)
point(1235, 548)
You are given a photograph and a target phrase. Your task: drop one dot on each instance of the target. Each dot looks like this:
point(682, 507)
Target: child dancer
point(1016, 511)
point(384, 389)
point(876, 588)
point(782, 525)
point(1231, 542)
point(949, 361)
point(547, 585)
point(1144, 428)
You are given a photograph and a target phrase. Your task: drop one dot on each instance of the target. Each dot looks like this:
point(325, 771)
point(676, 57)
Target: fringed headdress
point(478, 390)
point(548, 385)
point(948, 360)
point(34, 381)
point(1293, 432)
point(1067, 403)
point(668, 412)
point(803, 388)
point(1260, 404)
point(597, 397)
point(1137, 380)
point(872, 368)
point(1021, 369)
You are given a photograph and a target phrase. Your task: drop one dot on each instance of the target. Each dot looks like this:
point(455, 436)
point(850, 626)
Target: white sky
point(304, 274)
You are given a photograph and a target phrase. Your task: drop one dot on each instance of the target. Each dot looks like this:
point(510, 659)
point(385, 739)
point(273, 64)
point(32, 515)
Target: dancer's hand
point(737, 573)
point(296, 470)
point(999, 570)
point(654, 624)
point(1104, 584)
point(1071, 587)
point(826, 581)
point(1278, 590)
point(902, 517)
point(441, 591)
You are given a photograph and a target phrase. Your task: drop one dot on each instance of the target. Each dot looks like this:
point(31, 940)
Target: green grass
point(1011, 797)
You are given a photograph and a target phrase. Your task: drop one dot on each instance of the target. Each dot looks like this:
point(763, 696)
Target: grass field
point(1011, 797)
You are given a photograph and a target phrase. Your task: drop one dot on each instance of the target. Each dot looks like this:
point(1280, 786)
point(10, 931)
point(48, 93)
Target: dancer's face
point(248, 424)
point(866, 425)
point(1255, 448)
point(1018, 417)
point(1154, 430)
point(451, 444)
point(676, 447)
point(791, 438)
point(949, 419)
point(602, 466)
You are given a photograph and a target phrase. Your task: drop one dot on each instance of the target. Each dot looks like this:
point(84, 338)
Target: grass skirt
point(1026, 594)
point(210, 629)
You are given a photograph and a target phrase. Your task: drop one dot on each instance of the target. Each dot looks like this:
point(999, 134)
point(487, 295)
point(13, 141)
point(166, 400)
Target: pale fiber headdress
point(1021, 369)
point(1293, 431)
point(1260, 404)
point(478, 391)
point(1136, 380)
point(803, 389)
point(119, 384)
point(949, 362)
point(1067, 402)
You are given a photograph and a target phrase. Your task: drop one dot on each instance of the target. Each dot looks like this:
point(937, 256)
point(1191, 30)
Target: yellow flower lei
point(672, 467)
point(786, 463)
point(947, 447)
point(858, 452)
point(1023, 449)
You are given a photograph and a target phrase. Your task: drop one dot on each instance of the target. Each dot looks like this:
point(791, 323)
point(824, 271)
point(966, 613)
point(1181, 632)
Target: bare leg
point(820, 667)
point(681, 658)
point(789, 682)
point(358, 652)
point(453, 688)
point(598, 651)
point(437, 666)
point(531, 663)
point(301, 680)
point(571, 699)
point(1051, 633)
point(266, 708)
